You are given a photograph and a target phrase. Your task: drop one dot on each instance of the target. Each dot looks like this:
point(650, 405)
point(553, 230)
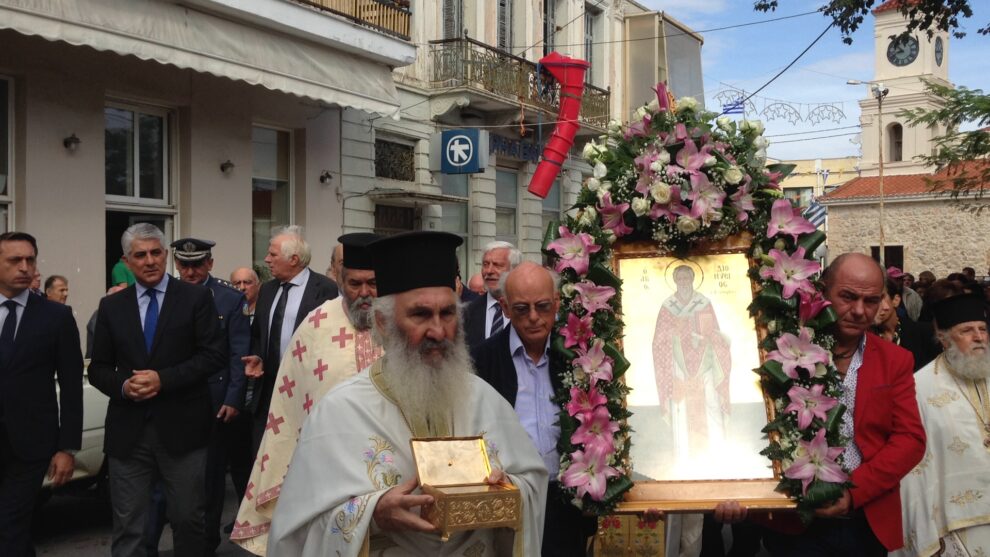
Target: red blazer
point(889, 434)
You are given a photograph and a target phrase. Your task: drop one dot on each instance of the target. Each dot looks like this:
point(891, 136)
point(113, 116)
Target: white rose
point(640, 113)
point(820, 370)
point(591, 213)
point(589, 153)
point(724, 123)
point(761, 142)
point(584, 219)
point(663, 156)
point(593, 184)
point(568, 290)
point(660, 192)
point(760, 157)
point(710, 160)
point(640, 206)
point(606, 185)
point(754, 126)
point(687, 225)
point(653, 106)
point(733, 175)
point(657, 166)
point(600, 170)
point(614, 126)
point(687, 103)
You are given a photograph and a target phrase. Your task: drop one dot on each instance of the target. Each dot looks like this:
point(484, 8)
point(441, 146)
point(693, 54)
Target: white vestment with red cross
point(325, 350)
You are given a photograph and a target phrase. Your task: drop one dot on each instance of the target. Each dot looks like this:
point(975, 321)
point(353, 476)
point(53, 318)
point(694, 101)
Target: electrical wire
point(811, 138)
point(812, 131)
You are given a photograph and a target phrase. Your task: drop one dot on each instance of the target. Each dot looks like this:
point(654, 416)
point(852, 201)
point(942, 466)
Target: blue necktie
point(497, 321)
point(150, 318)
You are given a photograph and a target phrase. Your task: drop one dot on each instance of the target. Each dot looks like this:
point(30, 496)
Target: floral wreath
point(678, 176)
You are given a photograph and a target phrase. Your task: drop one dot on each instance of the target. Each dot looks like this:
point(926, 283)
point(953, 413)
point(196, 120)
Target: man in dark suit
point(881, 419)
point(483, 317)
point(39, 343)
point(194, 262)
point(516, 362)
point(156, 345)
point(283, 303)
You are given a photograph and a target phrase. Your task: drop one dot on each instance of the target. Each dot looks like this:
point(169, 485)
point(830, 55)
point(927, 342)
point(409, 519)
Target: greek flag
point(734, 107)
point(816, 213)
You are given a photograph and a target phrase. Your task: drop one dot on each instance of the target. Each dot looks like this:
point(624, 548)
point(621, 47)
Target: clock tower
point(900, 65)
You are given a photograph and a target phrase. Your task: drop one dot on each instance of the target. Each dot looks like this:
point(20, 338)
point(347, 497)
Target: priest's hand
point(730, 512)
point(392, 511)
point(253, 366)
point(840, 507)
point(498, 477)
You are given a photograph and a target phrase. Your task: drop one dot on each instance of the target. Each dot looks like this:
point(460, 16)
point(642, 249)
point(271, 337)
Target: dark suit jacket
point(318, 290)
point(227, 385)
point(889, 434)
point(919, 338)
point(46, 349)
point(475, 316)
point(187, 349)
point(493, 363)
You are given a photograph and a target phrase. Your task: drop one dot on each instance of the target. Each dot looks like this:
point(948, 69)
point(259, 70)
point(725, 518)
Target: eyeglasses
point(522, 310)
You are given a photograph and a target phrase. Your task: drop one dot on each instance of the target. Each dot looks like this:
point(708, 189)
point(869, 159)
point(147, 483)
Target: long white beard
point(975, 365)
point(433, 391)
point(360, 318)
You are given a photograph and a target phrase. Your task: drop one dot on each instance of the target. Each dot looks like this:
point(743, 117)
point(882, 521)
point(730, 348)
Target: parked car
point(90, 461)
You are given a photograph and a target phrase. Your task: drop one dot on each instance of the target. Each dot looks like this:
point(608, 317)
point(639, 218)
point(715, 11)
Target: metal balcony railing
point(390, 17)
point(470, 63)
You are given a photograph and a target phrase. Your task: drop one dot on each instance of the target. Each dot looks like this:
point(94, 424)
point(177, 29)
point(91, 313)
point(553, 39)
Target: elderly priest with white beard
point(352, 486)
point(946, 498)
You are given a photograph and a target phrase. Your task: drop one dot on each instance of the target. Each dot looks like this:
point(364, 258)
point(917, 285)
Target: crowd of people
point(307, 389)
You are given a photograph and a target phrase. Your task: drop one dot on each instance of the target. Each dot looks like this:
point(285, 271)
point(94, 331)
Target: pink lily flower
point(596, 431)
point(589, 472)
point(775, 178)
point(574, 250)
point(795, 352)
point(786, 220)
point(637, 129)
point(812, 303)
point(594, 363)
point(680, 132)
point(612, 216)
point(706, 198)
point(584, 401)
point(809, 404)
point(742, 201)
point(690, 158)
point(816, 462)
point(791, 271)
point(664, 102)
point(577, 332)
point(593, 297)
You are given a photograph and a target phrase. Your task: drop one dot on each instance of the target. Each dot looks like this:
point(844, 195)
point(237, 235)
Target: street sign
point(462, 151)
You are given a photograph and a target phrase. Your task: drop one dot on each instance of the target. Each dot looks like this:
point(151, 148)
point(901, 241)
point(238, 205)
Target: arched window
point(895, 142)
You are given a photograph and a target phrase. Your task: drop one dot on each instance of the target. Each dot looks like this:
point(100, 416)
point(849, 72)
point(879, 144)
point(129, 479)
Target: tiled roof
point(905, 185)
point(891, 5)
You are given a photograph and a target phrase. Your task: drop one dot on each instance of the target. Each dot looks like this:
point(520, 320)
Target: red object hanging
point(569, 72)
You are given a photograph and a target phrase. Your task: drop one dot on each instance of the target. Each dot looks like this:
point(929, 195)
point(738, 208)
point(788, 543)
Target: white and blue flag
point(816, 213)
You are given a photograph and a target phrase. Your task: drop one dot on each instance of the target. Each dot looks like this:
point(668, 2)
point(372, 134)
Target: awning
point(171, 34)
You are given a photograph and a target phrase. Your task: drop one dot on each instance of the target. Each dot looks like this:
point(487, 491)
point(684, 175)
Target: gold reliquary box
point(453, 471)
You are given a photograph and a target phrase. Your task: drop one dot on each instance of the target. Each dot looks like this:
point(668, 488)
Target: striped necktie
point(497, 320)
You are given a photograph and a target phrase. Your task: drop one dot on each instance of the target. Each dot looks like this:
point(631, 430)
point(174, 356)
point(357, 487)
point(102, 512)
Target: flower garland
point(679, 176)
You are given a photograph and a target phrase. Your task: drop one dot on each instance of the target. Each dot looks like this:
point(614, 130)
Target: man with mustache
point(333, 343)
point(352, 484)
point(943, 499)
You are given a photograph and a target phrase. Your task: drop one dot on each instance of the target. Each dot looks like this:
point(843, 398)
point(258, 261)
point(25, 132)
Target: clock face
point(939, 51)
point(902, 52)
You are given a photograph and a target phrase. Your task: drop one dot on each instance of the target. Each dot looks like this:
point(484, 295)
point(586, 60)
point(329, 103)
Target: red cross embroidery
point(247, 492)
point(264, 461)
point(299, 350)
point(308, 403)
point(343, 337)
point(287, 385)
point(317, 317)
point(320, 368)
point(274, 422)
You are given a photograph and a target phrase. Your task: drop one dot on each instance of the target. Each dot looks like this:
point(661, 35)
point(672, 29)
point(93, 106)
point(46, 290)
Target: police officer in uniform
point(194, 261)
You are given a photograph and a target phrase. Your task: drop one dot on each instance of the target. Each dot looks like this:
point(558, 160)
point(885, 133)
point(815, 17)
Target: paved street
point(77, 523)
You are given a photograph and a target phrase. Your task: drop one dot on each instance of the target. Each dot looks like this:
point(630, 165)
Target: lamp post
point(879, 92)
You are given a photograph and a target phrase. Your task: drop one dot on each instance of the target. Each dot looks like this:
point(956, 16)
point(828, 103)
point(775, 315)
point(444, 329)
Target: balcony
point(472, 64)
point(390, 17)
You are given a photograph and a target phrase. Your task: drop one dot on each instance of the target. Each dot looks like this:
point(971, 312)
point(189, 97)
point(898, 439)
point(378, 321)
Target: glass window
point(395, 161)
point(455, 215)
point(801, 196)
point(454, 184)
point(136, 154)
point(270, 186)
point(506, 203)
point(551, 206)
point(895, 138)
point(6, 130)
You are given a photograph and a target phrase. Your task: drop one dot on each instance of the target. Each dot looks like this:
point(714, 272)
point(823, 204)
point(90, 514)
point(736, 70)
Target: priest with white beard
point(945, 500)
point(351, 487)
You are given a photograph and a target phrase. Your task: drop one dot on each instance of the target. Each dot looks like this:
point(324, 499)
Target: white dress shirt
point(291, 307)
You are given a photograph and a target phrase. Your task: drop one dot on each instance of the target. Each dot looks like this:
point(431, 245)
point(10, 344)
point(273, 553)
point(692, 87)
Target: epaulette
point(227, 284)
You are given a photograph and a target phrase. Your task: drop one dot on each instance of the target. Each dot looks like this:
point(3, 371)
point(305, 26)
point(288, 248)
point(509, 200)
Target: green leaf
point(551, 234)
point(834, 418)
point(558, 347)
point(771, 296)
point(819, 493)
point(775, 369)
point(784, 169)
point(616, 488)
point(602, 276)
point(825, 318)
point(620, 363)
point(811, 241)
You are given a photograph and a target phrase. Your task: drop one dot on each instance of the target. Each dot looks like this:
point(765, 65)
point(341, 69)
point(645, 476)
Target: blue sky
point(748, 57)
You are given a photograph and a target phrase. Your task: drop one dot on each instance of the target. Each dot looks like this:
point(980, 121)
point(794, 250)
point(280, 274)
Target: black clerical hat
point(959, 309)
point(414, 260)
point(356, 252)
point(192, 250)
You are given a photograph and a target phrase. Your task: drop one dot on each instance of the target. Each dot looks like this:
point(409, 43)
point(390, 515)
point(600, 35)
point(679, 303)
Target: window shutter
point(452, 20)
point(549, 25)
point(504, 24)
